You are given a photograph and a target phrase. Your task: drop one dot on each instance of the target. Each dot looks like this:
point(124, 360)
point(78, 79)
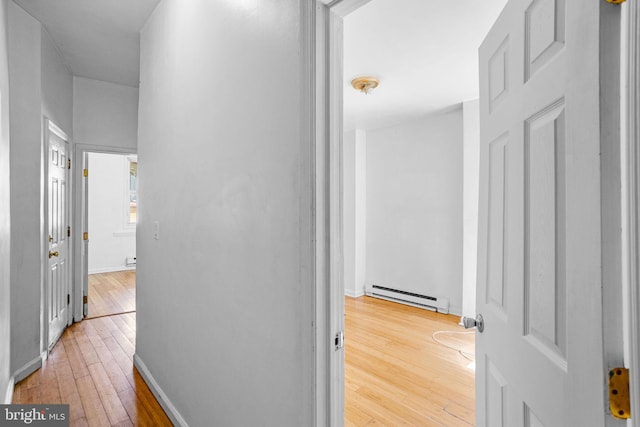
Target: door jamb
point(631, 200)
point(80, 273)
point(327, 72)
point(49, 127)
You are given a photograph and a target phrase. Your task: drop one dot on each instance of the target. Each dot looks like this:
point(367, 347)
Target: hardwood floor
point(112, 293)
point(91, 369)
point(396, 374)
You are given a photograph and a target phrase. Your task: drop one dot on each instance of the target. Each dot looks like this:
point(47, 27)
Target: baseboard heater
point(439, 304)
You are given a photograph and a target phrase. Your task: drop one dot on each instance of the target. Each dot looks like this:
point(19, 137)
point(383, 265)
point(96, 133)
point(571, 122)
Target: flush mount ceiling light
point(365, 84)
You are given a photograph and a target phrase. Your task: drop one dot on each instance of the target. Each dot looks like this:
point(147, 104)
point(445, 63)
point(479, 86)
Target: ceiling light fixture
point(365, 84)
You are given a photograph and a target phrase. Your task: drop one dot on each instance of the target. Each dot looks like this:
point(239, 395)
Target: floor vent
point(439, 304)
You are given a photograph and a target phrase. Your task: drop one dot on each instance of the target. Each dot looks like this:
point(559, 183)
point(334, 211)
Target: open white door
point(58, 271)
point(540, 357)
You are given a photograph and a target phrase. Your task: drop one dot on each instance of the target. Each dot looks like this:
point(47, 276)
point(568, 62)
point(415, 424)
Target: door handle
point(477, 323)
point(56, 253)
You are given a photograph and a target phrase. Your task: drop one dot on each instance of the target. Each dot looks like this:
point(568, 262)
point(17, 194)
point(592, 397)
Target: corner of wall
point(29, 368)
point(354, 294)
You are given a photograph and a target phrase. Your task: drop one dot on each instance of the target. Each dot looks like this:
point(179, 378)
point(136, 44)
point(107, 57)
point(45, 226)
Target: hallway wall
point(57, 86)
point(5, 215)
point(24, 72)
point(40, 85)
point(224, 318)
point(105, 114)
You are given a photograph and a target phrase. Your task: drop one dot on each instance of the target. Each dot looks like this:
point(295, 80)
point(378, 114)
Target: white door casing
point(327, 129)
point(540, 361)
point(58, 279)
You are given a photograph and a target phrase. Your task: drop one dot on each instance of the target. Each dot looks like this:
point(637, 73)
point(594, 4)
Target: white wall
point(414, 207)
point(57, 86)
point(39, 84)
point(222, 170)
point(111, 240)
point(25, 102)
point(5, 216)
point(354, 195)
point(471, 177)
point(105, 114)
point(349, 212)
point(361, 212)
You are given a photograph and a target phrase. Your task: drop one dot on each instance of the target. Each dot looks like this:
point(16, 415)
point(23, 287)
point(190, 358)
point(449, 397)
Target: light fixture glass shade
point(365, 84)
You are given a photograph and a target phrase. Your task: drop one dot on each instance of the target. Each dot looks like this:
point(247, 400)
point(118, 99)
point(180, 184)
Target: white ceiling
point(98, 39)
point(423, 51)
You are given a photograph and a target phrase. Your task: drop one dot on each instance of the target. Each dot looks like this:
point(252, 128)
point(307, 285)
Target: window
point(132, 208)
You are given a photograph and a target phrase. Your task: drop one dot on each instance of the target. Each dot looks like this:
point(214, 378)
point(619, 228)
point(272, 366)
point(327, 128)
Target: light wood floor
point(91, 369)
point(112, 293)
point(396, 374)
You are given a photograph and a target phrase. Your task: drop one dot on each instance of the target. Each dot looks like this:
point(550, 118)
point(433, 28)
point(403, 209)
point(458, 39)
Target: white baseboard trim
point(352, 294)
point(28, 369)
point(164, 401)
point(110, 269)
point(8, 397)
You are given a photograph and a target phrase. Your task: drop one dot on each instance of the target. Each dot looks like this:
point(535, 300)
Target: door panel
point(544, 189)
point(497, 289)
point(539, 265)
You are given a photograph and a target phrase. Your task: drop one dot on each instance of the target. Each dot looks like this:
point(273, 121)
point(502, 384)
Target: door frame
point(326, 116)
point(80, 221)
point(49, 127)
point(630, 101)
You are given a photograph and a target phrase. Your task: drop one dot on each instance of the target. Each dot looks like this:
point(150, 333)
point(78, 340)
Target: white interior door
point(58, 272)
point(540, 357)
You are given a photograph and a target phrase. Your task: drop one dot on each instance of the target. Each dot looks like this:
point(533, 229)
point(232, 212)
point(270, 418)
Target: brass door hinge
point(619, 401)
point(68, 163)
point(85, 299)
point(68, 299)
point(85, 172)
point(69, 231)
point(85, 236)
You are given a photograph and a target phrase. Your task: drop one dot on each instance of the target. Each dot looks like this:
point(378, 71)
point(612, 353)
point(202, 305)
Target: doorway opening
point(409, 183)
point(111, 203)
point(501, 75)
